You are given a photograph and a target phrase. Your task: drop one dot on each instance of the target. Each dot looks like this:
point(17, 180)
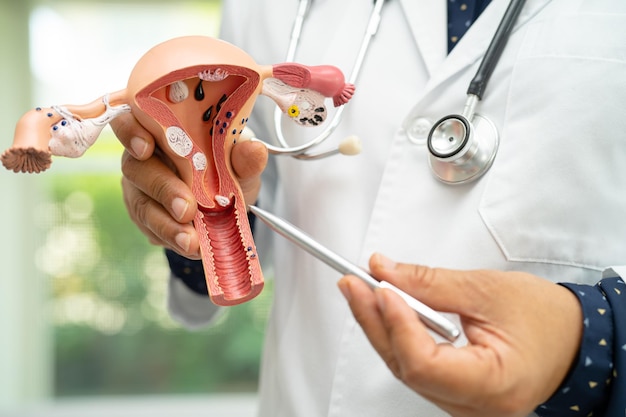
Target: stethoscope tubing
point(299, 152)
point(479, 83)
point(296, 30)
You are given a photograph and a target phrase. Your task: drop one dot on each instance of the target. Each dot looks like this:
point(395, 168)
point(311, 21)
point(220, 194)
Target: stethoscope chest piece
point(463, 147)
point(461, 151)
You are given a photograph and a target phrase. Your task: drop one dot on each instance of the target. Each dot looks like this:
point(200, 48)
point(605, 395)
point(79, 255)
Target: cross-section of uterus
point(195, 95)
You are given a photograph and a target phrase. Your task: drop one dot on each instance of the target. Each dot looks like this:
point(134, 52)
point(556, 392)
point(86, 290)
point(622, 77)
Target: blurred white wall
point(24, 342)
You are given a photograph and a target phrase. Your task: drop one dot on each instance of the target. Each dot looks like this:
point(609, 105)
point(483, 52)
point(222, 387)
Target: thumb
point(249, 159)
point(441, 289)
point(135, 138)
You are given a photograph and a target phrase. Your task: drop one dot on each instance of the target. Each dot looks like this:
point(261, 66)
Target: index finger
point(448, 290)
point(134, 137)
point(439, 371)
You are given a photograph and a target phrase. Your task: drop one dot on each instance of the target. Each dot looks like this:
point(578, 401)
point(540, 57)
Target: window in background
point(112, 334)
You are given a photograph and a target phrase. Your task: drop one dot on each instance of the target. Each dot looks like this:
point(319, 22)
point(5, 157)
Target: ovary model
point(194, 94)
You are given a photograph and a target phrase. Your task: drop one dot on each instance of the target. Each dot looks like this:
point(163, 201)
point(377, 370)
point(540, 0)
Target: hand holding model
point(521, 343)
point(161, 204)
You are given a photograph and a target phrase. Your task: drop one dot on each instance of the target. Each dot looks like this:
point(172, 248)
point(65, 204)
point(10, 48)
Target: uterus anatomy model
point(194, 94)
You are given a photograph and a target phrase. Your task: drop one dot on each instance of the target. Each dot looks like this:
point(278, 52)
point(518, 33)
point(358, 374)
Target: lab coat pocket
point(557, 191)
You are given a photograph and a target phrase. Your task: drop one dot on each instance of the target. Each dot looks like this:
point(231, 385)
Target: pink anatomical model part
point(194, 94)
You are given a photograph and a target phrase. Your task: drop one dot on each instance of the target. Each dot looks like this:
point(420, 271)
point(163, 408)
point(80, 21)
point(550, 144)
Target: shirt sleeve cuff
point(189, 271)
point(189, 308)
point(585, 389)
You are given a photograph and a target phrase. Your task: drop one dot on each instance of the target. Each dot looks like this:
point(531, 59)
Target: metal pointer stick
point(433, 320)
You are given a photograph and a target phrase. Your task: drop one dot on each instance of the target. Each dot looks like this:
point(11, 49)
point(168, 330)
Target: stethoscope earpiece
point(350, 145)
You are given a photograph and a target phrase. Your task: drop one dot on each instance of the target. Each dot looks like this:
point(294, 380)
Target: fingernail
point(383, 262)
point(139, 146)
point(183, 241)
point(344, 287)
point(179, 207)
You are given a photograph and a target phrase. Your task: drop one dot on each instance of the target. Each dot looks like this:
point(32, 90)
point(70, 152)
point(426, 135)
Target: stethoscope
point(350, 145)
point(462, 147)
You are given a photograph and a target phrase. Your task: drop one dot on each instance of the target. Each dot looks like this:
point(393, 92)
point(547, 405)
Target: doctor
point(551, 205)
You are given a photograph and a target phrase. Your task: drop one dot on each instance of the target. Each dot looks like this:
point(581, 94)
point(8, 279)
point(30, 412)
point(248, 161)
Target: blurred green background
point(112, 334)
point(83, 293)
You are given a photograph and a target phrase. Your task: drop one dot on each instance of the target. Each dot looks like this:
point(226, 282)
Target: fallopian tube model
point(194, 94)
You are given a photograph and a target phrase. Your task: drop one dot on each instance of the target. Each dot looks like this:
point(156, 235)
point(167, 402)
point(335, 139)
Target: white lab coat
point(552, 204)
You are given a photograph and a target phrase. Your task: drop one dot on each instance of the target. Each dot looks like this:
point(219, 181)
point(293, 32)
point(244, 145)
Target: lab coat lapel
point(425, 17)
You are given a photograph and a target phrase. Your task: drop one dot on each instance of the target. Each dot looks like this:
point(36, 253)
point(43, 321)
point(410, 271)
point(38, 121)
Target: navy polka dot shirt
point(596, 385)
point(461, 15)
